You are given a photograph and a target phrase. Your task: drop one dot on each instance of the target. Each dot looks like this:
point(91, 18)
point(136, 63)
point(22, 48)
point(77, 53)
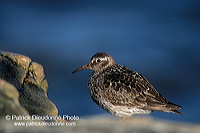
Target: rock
point(106, 124)
point(9, 100)
point(29, 79)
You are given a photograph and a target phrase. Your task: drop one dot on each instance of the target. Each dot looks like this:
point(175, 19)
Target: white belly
point(123, 111)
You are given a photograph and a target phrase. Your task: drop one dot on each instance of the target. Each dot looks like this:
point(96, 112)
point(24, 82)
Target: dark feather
point(128, 88)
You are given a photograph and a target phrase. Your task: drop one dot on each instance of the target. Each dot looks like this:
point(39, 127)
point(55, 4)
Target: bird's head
point(98, 62)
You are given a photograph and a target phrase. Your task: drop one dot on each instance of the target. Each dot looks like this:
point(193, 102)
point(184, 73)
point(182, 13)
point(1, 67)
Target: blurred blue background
point(159, 39)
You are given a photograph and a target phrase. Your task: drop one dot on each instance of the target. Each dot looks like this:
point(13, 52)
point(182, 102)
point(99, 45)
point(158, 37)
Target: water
point(158, 39)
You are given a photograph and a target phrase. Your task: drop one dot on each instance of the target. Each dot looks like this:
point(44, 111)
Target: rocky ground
point(106, 124)
point(23, 92)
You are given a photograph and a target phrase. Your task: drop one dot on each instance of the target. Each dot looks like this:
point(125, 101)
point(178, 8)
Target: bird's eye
point(98, 60)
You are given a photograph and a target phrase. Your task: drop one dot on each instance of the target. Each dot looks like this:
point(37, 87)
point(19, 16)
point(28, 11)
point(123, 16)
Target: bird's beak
point(87, 66)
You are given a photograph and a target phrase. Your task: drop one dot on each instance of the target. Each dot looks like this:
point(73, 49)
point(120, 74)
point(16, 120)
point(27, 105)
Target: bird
point(121, 91)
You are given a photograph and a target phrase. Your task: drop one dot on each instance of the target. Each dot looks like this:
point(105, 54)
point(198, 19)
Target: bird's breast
point(95, 87)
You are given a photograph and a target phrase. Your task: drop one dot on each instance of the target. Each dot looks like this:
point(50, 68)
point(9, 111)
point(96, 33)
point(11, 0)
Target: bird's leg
point(124, 118)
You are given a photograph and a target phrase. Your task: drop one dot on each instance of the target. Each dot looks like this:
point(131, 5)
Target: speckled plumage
point(122, 91)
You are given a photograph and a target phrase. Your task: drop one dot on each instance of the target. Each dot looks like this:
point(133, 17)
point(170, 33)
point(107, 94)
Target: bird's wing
point(128, 88)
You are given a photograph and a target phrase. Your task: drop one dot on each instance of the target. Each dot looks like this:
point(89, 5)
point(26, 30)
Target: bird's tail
point(176, 111)
point(165, 107)
point(173, 108)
